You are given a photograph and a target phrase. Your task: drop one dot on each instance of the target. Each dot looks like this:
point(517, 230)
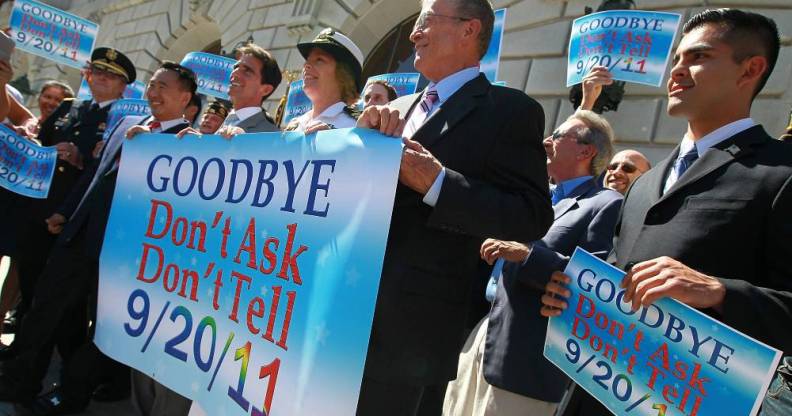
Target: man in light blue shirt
point(501, 368)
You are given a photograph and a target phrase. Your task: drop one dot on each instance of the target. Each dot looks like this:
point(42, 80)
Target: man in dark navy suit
point(502, 370)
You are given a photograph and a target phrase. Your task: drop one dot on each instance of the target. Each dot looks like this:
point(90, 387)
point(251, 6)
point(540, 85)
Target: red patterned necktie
point(154, 125)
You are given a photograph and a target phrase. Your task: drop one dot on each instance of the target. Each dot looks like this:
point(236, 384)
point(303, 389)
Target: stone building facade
point(533, 59)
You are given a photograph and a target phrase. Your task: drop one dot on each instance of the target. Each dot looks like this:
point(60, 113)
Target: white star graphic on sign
point(321, 333)
point(352, 277)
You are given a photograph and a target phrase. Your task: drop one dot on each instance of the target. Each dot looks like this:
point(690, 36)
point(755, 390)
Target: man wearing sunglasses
point(501, 368)
point(73, 128)
point(625, 167)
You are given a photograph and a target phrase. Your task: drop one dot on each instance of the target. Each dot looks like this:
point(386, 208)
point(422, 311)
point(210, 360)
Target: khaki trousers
point(471, 395)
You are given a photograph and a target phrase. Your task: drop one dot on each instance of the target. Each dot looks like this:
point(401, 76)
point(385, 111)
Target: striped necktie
point(684, 162)
point(421, 112)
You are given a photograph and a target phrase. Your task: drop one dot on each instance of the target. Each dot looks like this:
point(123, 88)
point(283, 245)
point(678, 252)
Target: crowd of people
point(708, 226)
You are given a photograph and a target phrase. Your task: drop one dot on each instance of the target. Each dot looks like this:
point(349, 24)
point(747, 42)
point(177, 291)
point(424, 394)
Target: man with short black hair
point(709, 226)
point(255, 77)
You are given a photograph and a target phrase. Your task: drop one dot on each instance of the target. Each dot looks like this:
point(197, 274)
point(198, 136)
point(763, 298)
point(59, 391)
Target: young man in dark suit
point(69, 279)
point(710, 225)
point(474, 167)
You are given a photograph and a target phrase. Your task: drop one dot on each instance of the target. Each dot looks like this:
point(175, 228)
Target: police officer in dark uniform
point(75, 128)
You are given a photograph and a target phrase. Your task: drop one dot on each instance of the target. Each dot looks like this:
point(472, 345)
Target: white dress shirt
point(705, 143)
point(446, 88)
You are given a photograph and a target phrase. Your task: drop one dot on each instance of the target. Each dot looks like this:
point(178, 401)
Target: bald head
point(624, 168)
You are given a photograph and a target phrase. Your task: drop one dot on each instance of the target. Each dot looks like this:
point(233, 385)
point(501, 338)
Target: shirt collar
point(566, 187)
point(245, 113)
point(332, 111)
point(165, 125)
point(447, 86)
point(104, 104)
point(722, 133)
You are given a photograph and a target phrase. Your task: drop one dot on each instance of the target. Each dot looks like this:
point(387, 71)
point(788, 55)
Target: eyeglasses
point(557, 135)
point(422, 22)
point(625, 166)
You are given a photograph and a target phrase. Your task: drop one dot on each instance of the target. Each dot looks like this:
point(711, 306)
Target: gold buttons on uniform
point(61, 169)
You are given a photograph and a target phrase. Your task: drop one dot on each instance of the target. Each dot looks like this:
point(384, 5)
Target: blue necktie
point(684, 162)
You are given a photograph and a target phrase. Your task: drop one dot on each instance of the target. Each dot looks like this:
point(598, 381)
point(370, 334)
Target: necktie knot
point(154, 125)
point(684, 161)
point(430, 97)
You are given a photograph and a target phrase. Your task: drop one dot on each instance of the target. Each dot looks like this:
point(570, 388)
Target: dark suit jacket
point(258, 123)
point(729, 216)
point(73, 121)
point(489, 139)
point(88, 206)
point(513, 353)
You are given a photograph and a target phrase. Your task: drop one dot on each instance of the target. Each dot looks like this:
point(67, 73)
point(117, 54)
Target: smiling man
point(473, 167)
point(709, 226)
point(625, 167)
point(255, 77)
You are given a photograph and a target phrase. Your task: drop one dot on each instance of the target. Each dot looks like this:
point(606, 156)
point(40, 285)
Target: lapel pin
point(733, 149)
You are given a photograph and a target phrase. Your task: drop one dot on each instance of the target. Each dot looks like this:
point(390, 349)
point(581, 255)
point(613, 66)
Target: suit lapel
point(566, 204)
point(453, 110)
point(656, 176)
point(721, 154)
point(251, 121)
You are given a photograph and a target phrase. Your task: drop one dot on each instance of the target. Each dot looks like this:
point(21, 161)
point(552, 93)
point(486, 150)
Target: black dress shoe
point(8, 352)
point(55, 403)
point(111, 392)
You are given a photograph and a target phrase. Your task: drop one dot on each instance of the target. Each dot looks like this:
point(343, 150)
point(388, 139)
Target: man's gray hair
point(480, 10)
point(598, 133)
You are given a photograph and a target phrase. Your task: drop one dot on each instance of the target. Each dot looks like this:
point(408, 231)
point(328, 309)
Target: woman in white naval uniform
point(332, 80)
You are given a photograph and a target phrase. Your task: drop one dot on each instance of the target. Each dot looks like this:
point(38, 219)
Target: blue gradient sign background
point(643, 362)
point(317, 330)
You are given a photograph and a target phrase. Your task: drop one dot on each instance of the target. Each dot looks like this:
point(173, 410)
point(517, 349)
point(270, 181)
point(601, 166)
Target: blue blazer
point(513, 358)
